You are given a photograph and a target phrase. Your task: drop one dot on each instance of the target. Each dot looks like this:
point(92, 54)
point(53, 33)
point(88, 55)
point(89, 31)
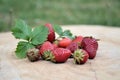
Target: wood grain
point(106, 65)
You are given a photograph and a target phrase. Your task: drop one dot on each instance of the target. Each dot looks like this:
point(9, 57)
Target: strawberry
point(46, 47)
point(60, 55)
point(51, 35)
point(90, 44)
point(80, 56)
point(72, 47)
point(33, 54)
point(64, 42)
point(78, 39)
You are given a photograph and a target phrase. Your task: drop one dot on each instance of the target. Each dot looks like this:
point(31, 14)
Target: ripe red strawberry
point(51, 35)
point(60, 55)
point(78, 39)
point(80, 56)
point(64, 42)
point(90, 44)
point(73, 46)
point(45, 48)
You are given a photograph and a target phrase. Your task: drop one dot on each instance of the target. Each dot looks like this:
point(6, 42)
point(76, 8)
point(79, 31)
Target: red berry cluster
point(59, 50)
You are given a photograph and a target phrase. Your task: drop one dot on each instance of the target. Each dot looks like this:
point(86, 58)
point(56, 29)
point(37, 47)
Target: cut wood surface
point(106, 65)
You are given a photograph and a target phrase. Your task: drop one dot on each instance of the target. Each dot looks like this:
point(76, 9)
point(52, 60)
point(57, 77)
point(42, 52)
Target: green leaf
point(34, 37)
point(57, 29)
point(21, 30)
point(22, 48)
point(62, 33)
point(39, 35)
point(68, 34)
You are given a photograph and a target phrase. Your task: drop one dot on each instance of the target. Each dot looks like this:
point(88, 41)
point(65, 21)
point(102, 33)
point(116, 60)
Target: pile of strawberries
point(60, 50)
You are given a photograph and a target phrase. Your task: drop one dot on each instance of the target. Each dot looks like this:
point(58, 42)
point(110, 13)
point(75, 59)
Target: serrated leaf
point(22, 48)
point(57, 29)
point(21, 30)
point(39, 35)
point(68, 34)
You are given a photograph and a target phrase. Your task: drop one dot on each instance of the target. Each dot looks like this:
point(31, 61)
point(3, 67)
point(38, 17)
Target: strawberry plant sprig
point(66, 33)
point(30, 37)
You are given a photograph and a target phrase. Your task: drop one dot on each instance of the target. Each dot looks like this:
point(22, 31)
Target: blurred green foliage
point(35, 12)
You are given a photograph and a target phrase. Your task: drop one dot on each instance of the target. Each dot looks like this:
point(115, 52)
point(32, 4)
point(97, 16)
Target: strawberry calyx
point(52, 58)
point(46, 55)
point(78, 56)
point(56, 42)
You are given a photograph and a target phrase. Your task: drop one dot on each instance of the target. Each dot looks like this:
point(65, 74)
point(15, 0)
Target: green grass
point(63, 12)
